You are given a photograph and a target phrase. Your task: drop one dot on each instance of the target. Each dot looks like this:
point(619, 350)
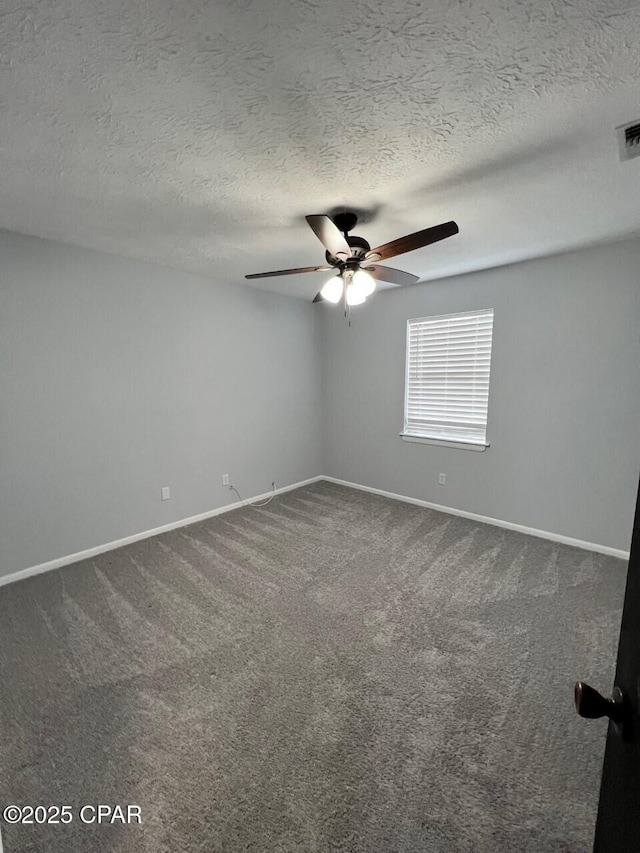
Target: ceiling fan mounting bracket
point(345, 222)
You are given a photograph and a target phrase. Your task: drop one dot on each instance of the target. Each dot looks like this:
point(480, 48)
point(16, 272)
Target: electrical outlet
point(225, 479)
point(166, 493)
point(442, 479)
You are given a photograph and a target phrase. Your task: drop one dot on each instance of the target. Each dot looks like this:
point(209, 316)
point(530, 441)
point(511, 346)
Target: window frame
point(439, 441)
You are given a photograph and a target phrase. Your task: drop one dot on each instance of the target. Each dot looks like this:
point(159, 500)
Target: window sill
point(440, 442)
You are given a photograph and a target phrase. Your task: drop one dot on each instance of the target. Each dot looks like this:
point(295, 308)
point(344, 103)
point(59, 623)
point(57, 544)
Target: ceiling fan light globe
point(364, 281)
point(332, 290)
point(355, 295)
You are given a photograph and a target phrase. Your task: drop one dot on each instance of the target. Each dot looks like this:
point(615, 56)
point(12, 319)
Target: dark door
point(618, 824)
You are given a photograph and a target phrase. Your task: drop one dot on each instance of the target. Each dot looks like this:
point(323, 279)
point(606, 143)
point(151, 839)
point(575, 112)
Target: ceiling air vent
point(629, 140)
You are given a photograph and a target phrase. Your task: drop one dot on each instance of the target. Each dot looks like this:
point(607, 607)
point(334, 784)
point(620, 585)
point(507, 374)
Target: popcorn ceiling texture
point(198, 134)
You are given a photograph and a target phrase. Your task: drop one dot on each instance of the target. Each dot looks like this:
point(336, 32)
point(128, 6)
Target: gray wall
point(119, 377)
point(564, 405)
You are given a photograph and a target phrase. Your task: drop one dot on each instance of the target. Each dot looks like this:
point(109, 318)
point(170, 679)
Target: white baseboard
point(520, 528)
point(136, 537)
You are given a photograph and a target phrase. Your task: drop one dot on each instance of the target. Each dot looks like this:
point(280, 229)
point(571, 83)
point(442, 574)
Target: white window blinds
point(447, 377)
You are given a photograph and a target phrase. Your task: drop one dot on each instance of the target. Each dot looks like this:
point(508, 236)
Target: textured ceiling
point(197, 134)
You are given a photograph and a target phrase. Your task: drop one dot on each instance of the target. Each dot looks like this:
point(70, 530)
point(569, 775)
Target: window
point(447, 379)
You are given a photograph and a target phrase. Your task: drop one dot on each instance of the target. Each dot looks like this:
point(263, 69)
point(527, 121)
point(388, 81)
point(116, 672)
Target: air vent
point(629, 140)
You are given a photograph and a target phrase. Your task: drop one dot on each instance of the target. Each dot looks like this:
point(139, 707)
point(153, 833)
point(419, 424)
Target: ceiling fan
point(355, 260)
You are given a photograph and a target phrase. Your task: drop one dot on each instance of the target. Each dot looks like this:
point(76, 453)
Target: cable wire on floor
point(255, 505)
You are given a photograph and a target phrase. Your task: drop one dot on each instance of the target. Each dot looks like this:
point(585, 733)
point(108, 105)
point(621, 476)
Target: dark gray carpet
point(335, 672)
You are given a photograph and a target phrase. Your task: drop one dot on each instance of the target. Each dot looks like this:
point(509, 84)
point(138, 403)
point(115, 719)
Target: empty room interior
point(319, 425)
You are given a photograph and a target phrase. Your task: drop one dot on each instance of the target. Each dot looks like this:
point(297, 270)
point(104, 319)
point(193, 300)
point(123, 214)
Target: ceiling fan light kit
point(354, 295)
point(364, 281)
point(356, 261)
point(332, 291)
point(352, 286)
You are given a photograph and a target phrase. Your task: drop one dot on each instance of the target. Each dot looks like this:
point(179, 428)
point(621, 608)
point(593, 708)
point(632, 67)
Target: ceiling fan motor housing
point(360, 247)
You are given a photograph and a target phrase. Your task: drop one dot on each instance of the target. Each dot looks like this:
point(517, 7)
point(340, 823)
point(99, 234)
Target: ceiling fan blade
point(288, 272)
point(391, 274)
point(318, 298)
point(413, 241)
point(330, 236)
